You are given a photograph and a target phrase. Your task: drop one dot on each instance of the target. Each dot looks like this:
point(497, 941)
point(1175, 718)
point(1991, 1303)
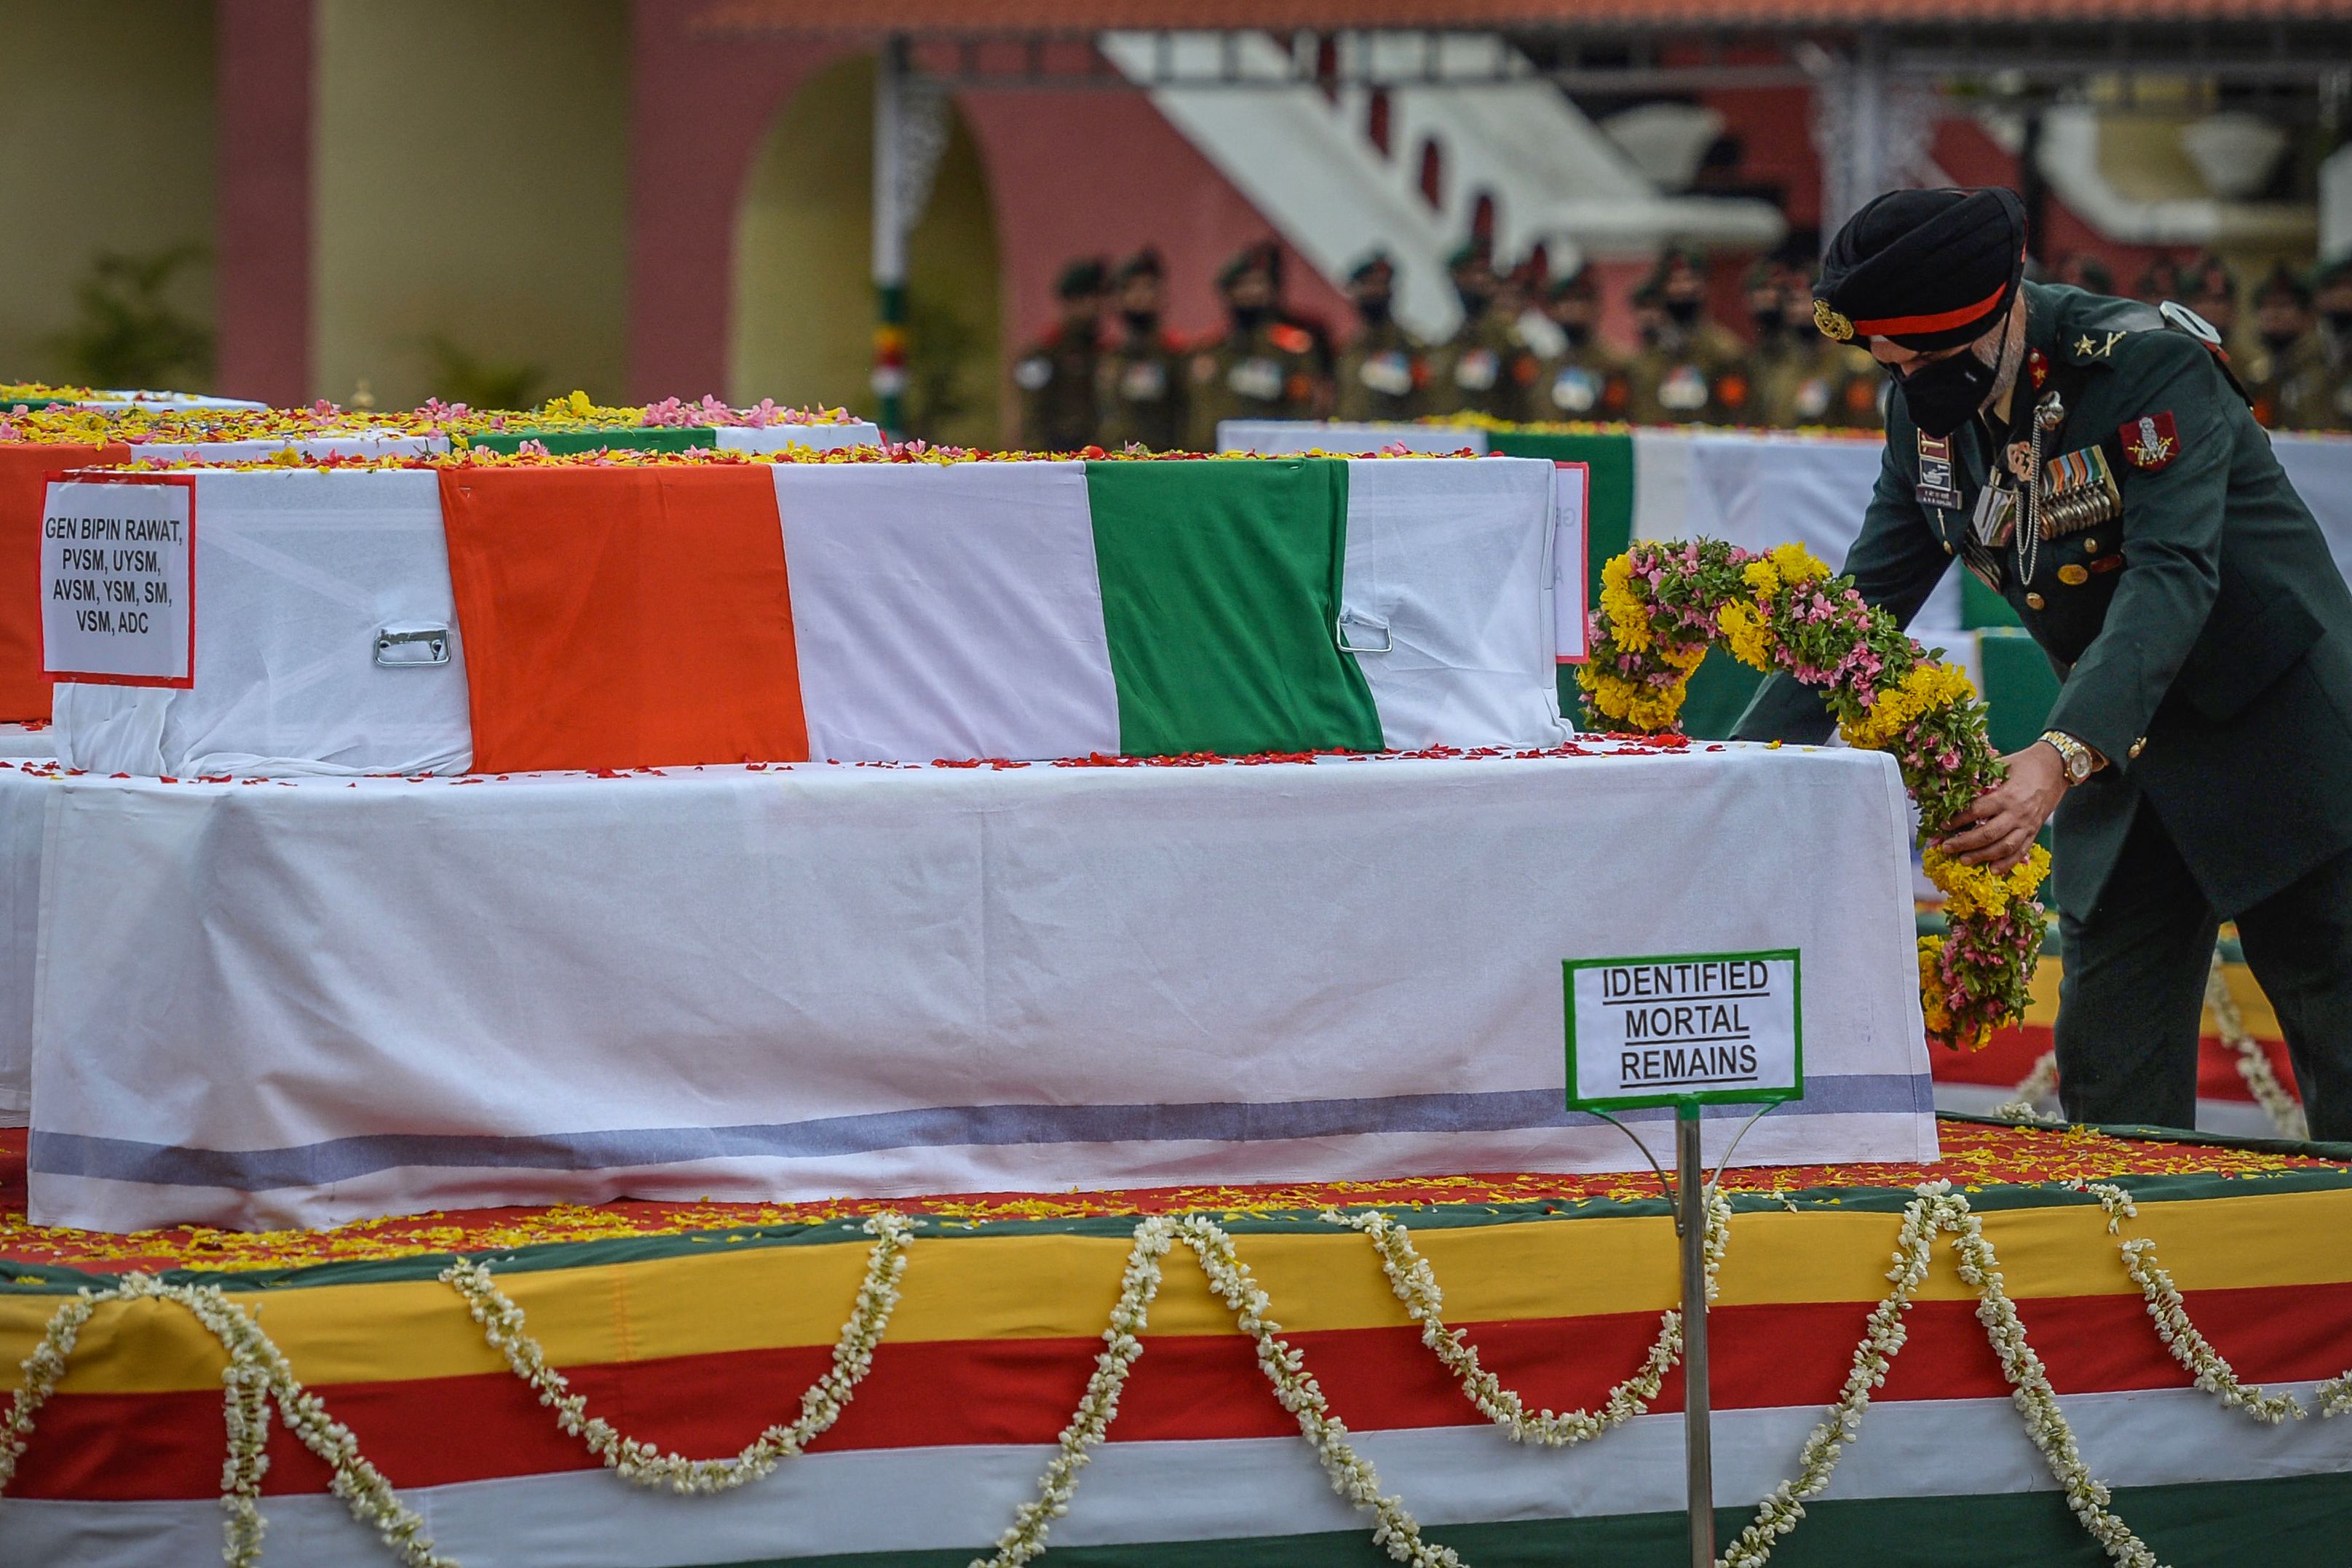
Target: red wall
point(1076, 173)
point(262, 274)
point(699, 108)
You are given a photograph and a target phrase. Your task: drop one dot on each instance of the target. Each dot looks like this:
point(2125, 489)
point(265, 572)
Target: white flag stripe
point(947, 611)
point(1447, 599)
point(1158, 1491)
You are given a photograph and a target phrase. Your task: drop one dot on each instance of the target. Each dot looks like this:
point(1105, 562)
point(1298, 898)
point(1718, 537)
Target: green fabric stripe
point(619, 438)
point(55, 1279)
point(1608, 528)
point(2284, 1523)
point(1221, 597)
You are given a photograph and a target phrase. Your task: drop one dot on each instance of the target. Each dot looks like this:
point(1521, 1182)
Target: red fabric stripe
point(1942, 321)
point(436, 1431)
point(23, 486)
point(2014, 1050)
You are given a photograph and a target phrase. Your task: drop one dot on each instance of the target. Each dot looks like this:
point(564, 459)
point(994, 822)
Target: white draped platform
point(291, 1002)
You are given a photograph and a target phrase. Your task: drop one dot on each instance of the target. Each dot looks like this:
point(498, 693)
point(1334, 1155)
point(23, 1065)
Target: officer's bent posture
point(2095, 462)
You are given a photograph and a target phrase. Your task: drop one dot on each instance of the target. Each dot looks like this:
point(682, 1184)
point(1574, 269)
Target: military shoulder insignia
point(1832, 323)
point(2097, 346)
point(2037, 365)
point(2151, 441)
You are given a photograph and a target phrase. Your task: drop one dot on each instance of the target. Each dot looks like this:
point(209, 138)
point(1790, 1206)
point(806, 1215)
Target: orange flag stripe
point(24, 470)
point(617, 618)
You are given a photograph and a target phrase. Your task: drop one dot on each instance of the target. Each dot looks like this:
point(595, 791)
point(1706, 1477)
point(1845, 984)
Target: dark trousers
point(2130, 1005)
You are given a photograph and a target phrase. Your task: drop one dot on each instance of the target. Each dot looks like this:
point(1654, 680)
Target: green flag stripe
point(1609, 521)
point(621, 438)
point(2295, 1522)
point(1221, 597)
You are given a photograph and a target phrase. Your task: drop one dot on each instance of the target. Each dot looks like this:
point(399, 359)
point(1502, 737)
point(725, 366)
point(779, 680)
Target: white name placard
point(117, 604)
point(1686, 1028)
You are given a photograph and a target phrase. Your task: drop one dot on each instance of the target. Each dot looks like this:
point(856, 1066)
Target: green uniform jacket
point(2212, 667)
point(1143, 393)
point(1383, 377)
point(1485, 367)
point(1266, 373)
point(1056, 382)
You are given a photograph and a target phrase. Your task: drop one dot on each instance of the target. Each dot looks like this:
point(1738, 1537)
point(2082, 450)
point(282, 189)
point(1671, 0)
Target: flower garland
point(1664, 605)
point(1137, 1285)
point(647, 1466)
point(1397, 1533)
point(257, 1373)
point(1416, 1285)
point(2254, 1063)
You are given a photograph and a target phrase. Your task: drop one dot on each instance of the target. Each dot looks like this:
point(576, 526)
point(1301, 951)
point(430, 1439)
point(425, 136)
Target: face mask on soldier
point(1944, 395)
point(1140, 323)
point(1684, 312)
point(1373, 309)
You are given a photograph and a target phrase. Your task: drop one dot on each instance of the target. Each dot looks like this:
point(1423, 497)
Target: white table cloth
point(303, 1002)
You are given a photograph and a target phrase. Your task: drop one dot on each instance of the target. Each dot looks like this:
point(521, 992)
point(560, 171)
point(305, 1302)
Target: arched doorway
point(802, 318)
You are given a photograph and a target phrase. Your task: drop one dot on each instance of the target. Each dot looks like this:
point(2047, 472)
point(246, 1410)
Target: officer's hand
point(1997, 827)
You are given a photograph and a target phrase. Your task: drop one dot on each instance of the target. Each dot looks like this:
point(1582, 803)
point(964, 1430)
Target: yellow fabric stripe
point(2262, 1020)
point(1063, 1286)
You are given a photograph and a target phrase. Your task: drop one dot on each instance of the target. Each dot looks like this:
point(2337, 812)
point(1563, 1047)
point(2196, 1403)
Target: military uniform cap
point(1469, 252)
point(1144, 263)
point(1376, 264)
point(2282, 280)
point(1252, 259)
point(1081, 278)
point(1927, 270)
point(1578, 282)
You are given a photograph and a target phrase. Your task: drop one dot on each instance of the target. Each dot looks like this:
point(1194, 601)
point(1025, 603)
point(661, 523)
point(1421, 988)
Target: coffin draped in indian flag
point(56, 434)
point(509, 616)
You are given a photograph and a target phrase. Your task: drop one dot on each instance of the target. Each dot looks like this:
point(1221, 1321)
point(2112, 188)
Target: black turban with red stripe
point(1926, 269)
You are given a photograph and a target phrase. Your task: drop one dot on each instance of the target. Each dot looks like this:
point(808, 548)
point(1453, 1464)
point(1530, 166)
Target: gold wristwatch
point(2079, 759)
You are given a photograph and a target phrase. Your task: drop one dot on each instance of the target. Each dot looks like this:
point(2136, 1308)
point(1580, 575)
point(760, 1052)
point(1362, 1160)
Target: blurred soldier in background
point(1056, 374)
point(2210, 288)
point(1586, 379)
point(2160, 280)
point(2086, 272)
point(1262, 368)
point(2287, 372)
point(1689, 368)
point(1142, 388)
point(2332, 299)
point(1486, 367)
point(1383, 372)
point(1802, 378)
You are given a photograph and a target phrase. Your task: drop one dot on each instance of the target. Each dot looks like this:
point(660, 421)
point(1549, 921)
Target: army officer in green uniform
point(2093, 461)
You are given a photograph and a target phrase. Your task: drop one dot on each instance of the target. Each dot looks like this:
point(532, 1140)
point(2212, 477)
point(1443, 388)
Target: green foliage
point(460, 375)
point(126, 333)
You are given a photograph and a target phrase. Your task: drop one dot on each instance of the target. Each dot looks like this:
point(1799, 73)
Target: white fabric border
point(807, 437)
point(814, 982)
point(825, 1503)
point(947, 611)
point(1291, 438)
point(1447, 597)
point(297, 569)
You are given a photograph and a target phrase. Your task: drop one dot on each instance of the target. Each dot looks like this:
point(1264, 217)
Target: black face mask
point(1475, 301)
point(2280, 342)
point(1374, 310)
point(1771, 323)
point(1140, 323)
point(2340, 323)
point(1249, 318)
point(1683, 312)
point(1576, 332)
point(1944, 395)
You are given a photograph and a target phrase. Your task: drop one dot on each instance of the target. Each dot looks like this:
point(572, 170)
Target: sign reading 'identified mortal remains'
point(1691, 1028)
point(117, 580)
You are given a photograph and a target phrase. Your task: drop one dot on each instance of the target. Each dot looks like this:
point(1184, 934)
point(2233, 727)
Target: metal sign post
point(1691, 1195)
point(1687, 1032)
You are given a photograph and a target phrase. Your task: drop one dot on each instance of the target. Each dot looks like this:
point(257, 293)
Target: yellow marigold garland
point(1664, 605)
